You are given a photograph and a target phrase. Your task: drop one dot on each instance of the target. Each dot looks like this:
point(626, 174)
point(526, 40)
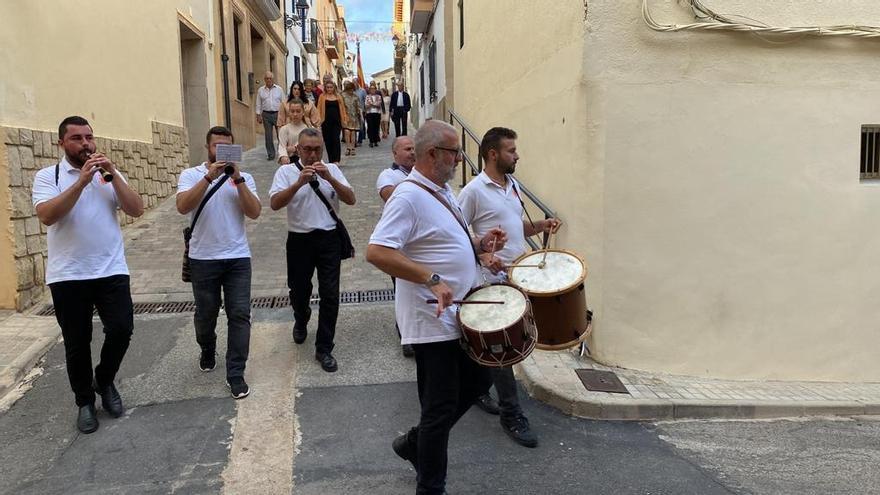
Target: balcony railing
point(472, 169)
point(331, 45)
point(310, 34)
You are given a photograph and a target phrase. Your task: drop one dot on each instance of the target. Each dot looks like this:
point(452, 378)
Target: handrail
point(466, 132)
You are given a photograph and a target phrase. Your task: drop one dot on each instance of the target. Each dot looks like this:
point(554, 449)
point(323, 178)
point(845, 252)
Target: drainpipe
point(224, 59)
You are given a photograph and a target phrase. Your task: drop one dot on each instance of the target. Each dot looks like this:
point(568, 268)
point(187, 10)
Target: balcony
point(271, 9)
point(310, 35)
point(331, 46)
point(421, 12)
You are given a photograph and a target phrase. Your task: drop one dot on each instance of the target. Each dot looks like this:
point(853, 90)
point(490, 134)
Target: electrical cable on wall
point(717, 22)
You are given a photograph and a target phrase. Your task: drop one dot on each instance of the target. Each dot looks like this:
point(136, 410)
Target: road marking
point(261, 458)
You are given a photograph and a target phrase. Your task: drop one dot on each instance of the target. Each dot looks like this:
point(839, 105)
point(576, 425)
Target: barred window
point(870, 157)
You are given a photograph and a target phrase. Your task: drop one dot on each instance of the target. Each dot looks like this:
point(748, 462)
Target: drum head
point(493, 317)
point(562, 271)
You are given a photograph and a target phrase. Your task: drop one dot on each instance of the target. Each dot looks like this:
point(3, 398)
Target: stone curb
point(626, 408)
point(12, 374)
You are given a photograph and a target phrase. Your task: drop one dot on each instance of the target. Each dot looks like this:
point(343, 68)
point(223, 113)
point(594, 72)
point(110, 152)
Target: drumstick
point(457, 301)
point(507, 267)
point(543, 262)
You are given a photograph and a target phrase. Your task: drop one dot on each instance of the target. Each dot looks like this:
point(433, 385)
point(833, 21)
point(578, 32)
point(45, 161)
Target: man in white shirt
point(86, 267)
point(422, 240)
point(492, 199)
point(404, 152)
point(269, 99)
point(312, 240)
point(220, 258)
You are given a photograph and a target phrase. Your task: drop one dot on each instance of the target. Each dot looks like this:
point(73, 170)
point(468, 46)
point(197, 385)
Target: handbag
point(341, 231)
point(185, 273)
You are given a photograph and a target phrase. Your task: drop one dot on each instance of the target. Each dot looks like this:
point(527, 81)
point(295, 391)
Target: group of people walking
point(351, 114)
point(433, 245)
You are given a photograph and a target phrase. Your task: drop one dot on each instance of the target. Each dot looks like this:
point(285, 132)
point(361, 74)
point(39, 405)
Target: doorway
point(194, 84)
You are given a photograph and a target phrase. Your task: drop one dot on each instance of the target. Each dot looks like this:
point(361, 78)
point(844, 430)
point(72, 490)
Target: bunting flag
point(361, 82)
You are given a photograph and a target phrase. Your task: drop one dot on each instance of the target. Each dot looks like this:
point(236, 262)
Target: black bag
point(185, 274)
point(341, 231)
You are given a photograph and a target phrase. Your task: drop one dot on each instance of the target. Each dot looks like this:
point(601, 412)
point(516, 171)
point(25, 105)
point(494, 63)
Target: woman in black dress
point(333, 119)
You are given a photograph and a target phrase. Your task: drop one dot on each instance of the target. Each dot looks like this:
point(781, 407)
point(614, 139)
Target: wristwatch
point(433, 280)
point(239, 180)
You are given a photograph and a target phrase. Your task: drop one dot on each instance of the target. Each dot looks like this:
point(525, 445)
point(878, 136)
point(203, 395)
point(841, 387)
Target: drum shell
point(504, 346)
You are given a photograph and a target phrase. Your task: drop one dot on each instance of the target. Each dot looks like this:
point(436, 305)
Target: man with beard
point(312, 241)
point(423, 241)
point(404, 151)
point(490, 200)
point(86, 267)
point(220, 257)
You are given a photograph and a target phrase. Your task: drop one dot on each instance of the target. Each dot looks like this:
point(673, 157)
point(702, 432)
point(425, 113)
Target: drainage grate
point(601, 381)
point(272, 302)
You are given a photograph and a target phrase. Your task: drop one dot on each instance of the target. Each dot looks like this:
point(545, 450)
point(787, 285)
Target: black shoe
point(518, 429)
point(403, 449)
point(299, 334)
point(407, 350)
point(328, 362)
point(208, 360)
point(110, 399)
point(86, 420)
point(238, 387)
point(488, 404)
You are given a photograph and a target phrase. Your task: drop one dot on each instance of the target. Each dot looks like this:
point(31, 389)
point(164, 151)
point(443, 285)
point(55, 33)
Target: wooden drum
point(497, 335)
point(556, 292)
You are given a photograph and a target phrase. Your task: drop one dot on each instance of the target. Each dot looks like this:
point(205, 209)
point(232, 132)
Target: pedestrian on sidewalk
point(490, 200)
point(404, 152)
point(400, 107)
point(268, 104)
point(333, 118)
point(289, 132)
point(312, 240)
point(220, 257)
point(421, 239)
point(374, 114)
point(386, 107)
point(86, 267)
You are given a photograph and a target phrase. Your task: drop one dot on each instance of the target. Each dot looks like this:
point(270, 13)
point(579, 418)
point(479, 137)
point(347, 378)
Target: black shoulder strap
point(458, 220)
point(57, 170)
point(205, 200)
point(519, 197)
point(314, 186)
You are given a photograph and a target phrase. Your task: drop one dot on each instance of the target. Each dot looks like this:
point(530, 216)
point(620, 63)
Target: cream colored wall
point(8, 272)
point(121, 68)
point(738, 241)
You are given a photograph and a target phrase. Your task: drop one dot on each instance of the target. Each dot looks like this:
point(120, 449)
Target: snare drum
point(556, 292)
point(497, 335)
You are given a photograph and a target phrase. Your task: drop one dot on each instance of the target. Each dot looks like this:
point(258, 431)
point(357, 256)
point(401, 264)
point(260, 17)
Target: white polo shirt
point(391, 176)
point(220, 232)
point(85, 244)
point(487, 205)
point(306, 212)
point(423, 230)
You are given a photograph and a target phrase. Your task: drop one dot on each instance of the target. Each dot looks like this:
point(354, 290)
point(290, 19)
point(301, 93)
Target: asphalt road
point(184, 434)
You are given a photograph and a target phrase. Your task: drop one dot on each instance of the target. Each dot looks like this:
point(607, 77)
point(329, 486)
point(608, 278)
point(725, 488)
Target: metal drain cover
point(601, 381)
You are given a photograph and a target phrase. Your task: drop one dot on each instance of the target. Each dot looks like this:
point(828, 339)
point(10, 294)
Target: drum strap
point(546, 240)
point(458, 218)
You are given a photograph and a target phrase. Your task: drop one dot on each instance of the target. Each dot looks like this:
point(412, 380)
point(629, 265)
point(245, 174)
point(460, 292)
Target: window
point(422, 84)
point(272, 63)
point(236, 36)
point(870, 157)
point(461, 23)
point(432, 71)
point(296, 72)
point(305, 70)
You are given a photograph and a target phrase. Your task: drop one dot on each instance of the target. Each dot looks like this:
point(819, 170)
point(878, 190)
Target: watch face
point(435, 279)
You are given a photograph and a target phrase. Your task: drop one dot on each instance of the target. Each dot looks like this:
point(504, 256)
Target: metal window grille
point(870, 156)
point(460, 23)
point(432, 72)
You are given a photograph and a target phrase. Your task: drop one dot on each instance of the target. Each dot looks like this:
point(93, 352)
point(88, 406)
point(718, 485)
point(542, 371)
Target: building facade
point(302, 62)
point(430, 59)
point(719, 184)
point(331, 39)
point(385, 79)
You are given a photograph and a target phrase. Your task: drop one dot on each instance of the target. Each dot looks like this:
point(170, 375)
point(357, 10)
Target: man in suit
point(400, 107)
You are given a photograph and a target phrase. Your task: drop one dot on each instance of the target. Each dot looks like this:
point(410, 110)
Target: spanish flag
point(361, 81)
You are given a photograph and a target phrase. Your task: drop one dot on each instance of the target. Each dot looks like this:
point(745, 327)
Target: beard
point(507, 168)
point(79, 159)
point(448, 176)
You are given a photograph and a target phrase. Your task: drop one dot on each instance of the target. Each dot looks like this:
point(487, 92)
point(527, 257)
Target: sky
point(371, 16)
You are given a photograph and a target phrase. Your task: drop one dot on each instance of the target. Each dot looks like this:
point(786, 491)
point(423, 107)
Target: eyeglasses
point(457, 151)
point(310, 149)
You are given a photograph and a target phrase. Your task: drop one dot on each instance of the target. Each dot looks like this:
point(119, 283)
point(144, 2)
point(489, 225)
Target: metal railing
point(473, 169)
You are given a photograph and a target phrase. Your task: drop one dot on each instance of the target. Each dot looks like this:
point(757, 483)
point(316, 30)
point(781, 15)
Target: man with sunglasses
point(312, 240)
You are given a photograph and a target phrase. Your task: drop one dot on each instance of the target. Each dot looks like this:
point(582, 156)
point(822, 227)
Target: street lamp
point(298, 19)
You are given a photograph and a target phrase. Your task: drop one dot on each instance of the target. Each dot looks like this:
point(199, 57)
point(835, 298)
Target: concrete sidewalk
point(24, 340)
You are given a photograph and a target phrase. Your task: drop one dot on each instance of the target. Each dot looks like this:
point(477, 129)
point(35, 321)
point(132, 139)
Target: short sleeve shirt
point(391, 176)
point(487, 205)
point(306, 212)
point(219, 233)
point(422, 229)
point(86, 243)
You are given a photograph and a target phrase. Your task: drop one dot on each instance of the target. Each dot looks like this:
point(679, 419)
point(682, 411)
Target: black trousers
point(399, 118)
point(448, 383)
point(321, 250)
point(74, 302)
point(331, 141)
point(373, 126)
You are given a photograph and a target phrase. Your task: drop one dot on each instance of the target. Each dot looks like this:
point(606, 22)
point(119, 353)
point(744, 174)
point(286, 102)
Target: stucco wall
point(151, 168)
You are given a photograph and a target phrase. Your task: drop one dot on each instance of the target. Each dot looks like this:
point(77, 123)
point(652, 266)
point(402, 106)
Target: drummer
point(491, 200)
point(422, 240)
